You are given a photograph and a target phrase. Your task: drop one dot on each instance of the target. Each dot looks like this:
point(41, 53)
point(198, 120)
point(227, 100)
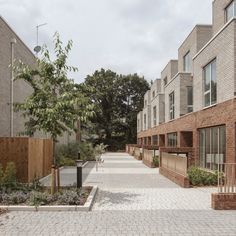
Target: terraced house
point(191, 111)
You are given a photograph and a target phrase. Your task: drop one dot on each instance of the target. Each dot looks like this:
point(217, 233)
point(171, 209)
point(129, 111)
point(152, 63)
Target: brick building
point(193, 109)
point(13, 48)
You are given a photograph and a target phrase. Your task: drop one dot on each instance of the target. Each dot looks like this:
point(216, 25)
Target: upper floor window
point(172, 105)
point(145, 103)
point(145, 121)
point(138, 124)
point(189, 99)
point(230, 11)
point(172, 139)
point(155, 140)
point(187, 62)
point(165, 81)
point(210, 84)
point(155, 116)
point(153, 94)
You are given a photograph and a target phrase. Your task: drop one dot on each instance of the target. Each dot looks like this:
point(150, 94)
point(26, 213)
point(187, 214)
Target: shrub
point(201, 177)
point(1, 175)
point(156, 161)
point(67, 154)
point(8, 178)
point(69, 197)
point(14, 198)
point(41, 198)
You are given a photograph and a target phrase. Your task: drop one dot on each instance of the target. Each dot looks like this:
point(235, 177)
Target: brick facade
point(220, 114)
point(223, 201)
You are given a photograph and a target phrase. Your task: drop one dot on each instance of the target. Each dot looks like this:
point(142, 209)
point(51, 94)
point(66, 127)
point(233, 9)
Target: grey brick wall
point(198, 37)
point(21, 88)
point(169, 72)
point(223, 49)
point(178, 85)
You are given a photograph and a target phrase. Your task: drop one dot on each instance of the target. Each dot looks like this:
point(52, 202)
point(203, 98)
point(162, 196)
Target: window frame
point(186, 56)
point(172, 105)
point(189, 106)
point(233, 4)
point(172, 139)
point(154, 110)
point(209, 91)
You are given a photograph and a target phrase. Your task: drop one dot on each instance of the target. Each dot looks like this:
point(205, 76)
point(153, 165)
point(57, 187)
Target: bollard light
point(79, 164)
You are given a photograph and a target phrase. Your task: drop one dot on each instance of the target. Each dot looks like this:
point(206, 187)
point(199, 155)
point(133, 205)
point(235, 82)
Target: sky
point(126, 36)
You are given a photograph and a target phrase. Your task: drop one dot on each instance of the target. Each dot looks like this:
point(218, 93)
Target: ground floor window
point(154, 140)
point(212, 147)
point(172, 139)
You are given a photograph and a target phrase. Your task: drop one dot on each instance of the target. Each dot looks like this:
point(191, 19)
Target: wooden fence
point(227, 178)
point(177, 164)
point(33, 157)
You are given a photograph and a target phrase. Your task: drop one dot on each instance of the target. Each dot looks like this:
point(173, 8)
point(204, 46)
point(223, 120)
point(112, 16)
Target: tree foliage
point(56, 102)
point(117, 99)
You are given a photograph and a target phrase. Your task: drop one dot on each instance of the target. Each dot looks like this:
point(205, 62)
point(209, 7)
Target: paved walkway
point(132, 200)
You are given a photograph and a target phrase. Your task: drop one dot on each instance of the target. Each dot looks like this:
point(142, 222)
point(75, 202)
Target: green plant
point(69, 197)
point(67, 161)
point(13, 198)
point(87, 151)
point(201, 177)
point(1, 174)
point(9, 177)
point(156, 161)
point(100, 149)
point(41, 198)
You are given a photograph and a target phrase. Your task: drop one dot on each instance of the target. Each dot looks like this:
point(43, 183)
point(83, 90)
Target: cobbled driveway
point(132, 200)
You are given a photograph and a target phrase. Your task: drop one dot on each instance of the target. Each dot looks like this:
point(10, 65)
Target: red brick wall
point(220, 114)
point(223, 201)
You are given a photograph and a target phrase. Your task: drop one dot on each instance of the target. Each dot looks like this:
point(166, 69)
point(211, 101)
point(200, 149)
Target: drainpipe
point(13, 42)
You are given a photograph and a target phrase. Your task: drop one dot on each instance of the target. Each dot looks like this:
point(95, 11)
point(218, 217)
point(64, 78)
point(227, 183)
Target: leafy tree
point(56, 101)
point(117, 99)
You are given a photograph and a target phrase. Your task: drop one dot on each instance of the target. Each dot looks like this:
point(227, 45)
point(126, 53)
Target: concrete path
point(132, 200)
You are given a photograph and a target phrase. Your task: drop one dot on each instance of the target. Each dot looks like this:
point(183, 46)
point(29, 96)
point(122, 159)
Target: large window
point(154, 116)
point(145, 121)
point(138, 125)
point(212, 147)
point(189, 99)
point(165, 81)
point(187, 62)
point(172, 139)
point(172, 105)
point(230, 11)
point(210, 85)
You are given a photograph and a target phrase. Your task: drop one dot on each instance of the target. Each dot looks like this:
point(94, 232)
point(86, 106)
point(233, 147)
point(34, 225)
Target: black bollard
point(79, 164)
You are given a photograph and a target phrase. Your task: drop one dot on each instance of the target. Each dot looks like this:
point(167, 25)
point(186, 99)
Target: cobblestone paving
point(132, 200)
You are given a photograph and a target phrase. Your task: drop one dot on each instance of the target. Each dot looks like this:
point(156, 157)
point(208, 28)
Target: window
point(172, 139)
point(154, 116)
point(154, 140)
point(230, 11)
point(165, 81)
point(210, 85)
point(138, 124)
point(145, 122)
point(153, 94)
point(189, 99)
point(212, 147)
point(187, 62)
point(145, 103)
point(172, 105)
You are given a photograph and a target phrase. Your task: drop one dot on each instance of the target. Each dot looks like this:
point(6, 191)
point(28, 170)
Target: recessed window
point(145, 121)
point(230, 11)
point(189, 99)
point(187, 62)
point(153, 94)
point(172, 139)
point(172, 105)
point(145, 103)
point(210, 85)
point(154, 116)
point(155, 140)
point(165, 81)
point(212, 147)
point(138, 124)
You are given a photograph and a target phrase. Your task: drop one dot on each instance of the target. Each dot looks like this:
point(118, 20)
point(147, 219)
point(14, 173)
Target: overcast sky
point(127, 36)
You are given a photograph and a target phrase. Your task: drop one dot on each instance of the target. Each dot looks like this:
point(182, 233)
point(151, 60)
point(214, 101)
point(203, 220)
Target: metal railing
point(227, 178)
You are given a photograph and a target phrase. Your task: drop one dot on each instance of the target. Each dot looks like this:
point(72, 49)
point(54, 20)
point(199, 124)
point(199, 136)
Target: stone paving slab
point(130, 201)
point(148, 222)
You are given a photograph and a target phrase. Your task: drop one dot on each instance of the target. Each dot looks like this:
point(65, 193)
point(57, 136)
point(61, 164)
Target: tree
point(117, 99)
point(56, 102)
